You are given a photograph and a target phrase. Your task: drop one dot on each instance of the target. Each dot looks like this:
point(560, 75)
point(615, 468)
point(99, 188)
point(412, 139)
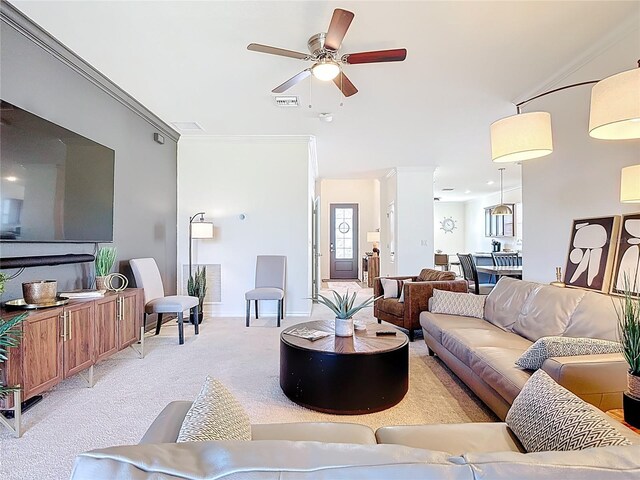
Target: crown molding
point(17, 20)
point(252, 139)
point(596, 50)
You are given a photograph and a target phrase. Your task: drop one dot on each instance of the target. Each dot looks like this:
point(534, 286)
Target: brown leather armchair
point(416, 298)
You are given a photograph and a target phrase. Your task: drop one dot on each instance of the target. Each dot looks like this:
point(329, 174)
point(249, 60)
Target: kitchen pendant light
point(501, 209)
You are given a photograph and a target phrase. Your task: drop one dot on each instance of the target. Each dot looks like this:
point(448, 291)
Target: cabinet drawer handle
point(64, 326)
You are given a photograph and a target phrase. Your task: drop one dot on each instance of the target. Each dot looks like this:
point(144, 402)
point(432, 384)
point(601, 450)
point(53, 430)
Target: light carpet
point(342, 287)
point(129, 392)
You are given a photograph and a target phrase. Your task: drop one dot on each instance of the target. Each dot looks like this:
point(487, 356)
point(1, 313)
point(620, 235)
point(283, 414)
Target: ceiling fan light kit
point(324, 53)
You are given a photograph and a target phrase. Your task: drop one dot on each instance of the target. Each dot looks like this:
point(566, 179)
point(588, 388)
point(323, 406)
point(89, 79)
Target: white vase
point(344, 327)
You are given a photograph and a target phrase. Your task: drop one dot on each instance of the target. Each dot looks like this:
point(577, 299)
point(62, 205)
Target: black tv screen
point(57, 186)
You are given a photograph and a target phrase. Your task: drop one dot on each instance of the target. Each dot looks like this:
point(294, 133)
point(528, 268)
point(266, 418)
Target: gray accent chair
point(270, 283)
point(147, 275)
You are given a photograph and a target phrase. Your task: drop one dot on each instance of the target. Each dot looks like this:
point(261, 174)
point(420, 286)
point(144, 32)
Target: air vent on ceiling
point(290, 101)
point(448, 189)
point(188, 126)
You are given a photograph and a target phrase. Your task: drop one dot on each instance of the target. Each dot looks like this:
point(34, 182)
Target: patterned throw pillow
point(215, 415)
point(456, 303)
point(548, 347)
point(392, 288)
point(547, 417)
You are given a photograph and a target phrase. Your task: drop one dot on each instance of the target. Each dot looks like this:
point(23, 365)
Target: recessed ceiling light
point(467, 192)
point(490, 182)
point(11, 179)
point(188, 126)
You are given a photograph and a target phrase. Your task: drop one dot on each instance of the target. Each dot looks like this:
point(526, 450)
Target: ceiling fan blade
point(396, 55)
point(292, 81)
point(337, 28)
point(257, 47)
point(345, 85)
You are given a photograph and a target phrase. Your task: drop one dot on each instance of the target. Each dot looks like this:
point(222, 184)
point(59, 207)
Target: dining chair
point(269, 284)
point(441, 260)
point(507, 259)
point(470, 274)
point(147, 275)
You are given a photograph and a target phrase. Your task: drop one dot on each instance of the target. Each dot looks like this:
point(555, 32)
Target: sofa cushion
point(456, 303)
point(496, 367)
point(463, 342)
point(547, 417)
point(329, 432)
point(505, 302)
point(430, 275)
point(455, 438)
point(435, 323)
point(215, 415)
point(549, 347)
point(391, 306)
point(594, 317)
point(547, 311)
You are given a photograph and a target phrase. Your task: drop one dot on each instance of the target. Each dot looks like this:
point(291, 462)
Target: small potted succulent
point(629, 334)
point(105, 258)
point(197, 287)
point(342, 306)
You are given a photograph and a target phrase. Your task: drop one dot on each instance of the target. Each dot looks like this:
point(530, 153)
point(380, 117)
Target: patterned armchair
point(416, 297)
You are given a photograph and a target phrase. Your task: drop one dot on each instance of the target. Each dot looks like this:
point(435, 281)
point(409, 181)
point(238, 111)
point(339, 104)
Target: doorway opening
point(343, 241)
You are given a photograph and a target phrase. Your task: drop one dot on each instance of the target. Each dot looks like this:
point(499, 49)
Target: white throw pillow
point(392, 288)
point(548, 347)
point(404, 283)
point(215, 415)
point(456, 303)
point(547, 417)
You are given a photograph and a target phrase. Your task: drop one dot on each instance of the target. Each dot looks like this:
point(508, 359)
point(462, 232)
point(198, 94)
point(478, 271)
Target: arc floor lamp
point(614, 115)
point(199, 229)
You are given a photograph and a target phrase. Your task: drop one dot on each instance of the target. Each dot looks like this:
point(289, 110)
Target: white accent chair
point(270, 283)
point(147, 275)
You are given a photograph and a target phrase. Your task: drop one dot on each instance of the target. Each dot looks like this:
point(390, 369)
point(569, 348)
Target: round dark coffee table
point(345, 375)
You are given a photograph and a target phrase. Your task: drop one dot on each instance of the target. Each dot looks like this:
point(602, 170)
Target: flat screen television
point(56, 185)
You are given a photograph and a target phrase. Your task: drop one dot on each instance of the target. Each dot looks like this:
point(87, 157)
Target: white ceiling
point(466, 63)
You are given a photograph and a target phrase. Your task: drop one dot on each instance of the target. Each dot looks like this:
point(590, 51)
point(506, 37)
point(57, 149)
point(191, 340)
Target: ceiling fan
point(324, 53)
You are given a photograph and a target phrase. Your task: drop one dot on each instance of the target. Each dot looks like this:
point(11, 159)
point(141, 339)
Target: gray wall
point(145, 172)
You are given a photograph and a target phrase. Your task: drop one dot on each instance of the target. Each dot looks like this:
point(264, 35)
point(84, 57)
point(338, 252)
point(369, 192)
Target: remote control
point(385, 332)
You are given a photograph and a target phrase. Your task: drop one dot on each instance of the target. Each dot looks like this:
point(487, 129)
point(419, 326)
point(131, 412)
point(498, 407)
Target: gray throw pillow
point(547, 417)
point(215, 415)
point(548, 347)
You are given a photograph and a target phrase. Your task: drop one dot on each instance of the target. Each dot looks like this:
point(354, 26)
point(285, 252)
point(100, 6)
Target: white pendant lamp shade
point(521, 137)
point(630, 184)
point(202, 230)
point(615, 107)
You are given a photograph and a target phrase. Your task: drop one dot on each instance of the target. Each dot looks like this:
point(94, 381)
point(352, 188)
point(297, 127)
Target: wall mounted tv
point(57, 186)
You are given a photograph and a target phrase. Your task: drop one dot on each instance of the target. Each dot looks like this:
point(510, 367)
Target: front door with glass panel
point(344, 240)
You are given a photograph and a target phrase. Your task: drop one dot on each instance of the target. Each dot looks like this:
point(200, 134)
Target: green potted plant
point(105, 258)
point(10, 333)
point(197, 287)
point(342, 306)
point(629, 334)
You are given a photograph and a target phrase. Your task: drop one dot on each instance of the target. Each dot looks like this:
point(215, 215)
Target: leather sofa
point(346, 451)
point(416, 298)
point(482, 352)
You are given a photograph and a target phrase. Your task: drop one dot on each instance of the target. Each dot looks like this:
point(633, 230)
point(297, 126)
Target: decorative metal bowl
point(40, 292)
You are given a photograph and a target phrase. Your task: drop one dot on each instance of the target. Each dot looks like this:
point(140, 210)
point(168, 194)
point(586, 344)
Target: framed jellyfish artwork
point(592, 250)
point(628, 256)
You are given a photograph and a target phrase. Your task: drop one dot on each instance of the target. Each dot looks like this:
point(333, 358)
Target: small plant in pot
point(342, 306)
point(105, 258)
point(197, 287)
point(629, 333)
point(10, 333)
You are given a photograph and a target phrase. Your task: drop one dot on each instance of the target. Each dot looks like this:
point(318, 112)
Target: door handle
point(331, 248)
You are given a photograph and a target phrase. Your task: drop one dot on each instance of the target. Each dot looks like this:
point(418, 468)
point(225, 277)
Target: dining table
point(501, 270)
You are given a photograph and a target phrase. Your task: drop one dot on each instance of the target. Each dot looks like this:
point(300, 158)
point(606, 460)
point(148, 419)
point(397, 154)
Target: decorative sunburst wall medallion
point(448, 224)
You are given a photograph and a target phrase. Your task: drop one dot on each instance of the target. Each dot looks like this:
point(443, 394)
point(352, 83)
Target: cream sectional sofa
point(482, 352)
point(348, 451)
